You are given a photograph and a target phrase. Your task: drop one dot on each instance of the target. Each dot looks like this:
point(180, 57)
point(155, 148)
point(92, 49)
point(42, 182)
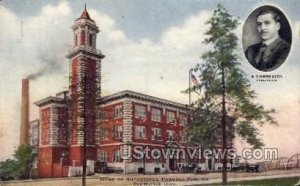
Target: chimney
point(24, 129)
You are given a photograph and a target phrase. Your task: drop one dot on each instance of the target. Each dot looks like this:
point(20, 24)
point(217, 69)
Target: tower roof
point(85, 14)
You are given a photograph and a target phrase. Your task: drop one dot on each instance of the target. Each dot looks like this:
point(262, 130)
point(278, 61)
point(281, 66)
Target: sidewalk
point(154, 180)
point(247, 178)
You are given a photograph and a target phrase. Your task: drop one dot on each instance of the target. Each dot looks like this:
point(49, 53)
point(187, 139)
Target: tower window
point(82, 38)
point(91, 39)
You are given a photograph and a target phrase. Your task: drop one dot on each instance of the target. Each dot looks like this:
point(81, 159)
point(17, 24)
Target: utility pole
point(224, 131)
point(190, 74)
point(144, 162)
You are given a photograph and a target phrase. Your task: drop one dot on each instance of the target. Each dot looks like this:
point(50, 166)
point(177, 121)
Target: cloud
point(62, 9)
point(189, 35)
point(158, 67)
point(31, 45)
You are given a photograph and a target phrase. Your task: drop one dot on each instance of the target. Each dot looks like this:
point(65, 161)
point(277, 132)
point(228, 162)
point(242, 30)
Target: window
point(103, 133)
point(171, 117)
point(156, 134)
point(82, 37)
point(102, 115)
point(103, 156)
point(156, 115)
point(90, 39)
point(140, 111)
point(35, 142)
point(171, 135)
point(183, 119)
point(118, 131)
point(118, 111)
point(140, 132)
point(117, 155)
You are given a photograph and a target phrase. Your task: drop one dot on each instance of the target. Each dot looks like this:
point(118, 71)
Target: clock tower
point(85, 89)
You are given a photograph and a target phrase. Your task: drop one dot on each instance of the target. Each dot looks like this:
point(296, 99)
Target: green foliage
point(20, 166)
point(24, 156)
point(8, 169)
point(243, 115)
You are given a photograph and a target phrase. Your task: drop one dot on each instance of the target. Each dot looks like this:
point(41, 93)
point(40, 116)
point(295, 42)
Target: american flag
point(195, 81)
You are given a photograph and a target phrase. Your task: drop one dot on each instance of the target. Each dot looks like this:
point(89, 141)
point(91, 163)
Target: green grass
point(267, 182)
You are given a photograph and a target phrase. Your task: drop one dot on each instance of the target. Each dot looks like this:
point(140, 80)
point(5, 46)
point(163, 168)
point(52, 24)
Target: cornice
point(143, 97)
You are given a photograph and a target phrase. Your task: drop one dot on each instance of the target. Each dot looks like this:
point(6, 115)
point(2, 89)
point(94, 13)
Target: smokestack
point(24, 129)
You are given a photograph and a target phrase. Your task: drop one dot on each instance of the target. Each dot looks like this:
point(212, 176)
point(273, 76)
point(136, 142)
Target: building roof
point(140, 96)
point(48, 100)
point(85, 15)
point(116, 96)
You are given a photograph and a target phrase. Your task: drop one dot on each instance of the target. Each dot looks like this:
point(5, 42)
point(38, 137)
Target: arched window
point(90, 39)
point(82, 38)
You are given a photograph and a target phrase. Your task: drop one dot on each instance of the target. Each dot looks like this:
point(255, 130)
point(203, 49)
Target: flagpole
point(190, 74)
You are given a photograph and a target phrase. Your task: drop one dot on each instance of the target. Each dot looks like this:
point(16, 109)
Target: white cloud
point(62, 9)
point(28, 45)
point(187, 36)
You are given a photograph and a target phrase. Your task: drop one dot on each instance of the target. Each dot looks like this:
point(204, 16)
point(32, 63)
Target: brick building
point(126, 129)
point(132, 122)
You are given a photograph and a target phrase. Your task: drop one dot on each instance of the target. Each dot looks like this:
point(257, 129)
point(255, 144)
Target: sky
point(149, 46)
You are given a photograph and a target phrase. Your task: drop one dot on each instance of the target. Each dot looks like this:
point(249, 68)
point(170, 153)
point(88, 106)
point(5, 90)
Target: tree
point(20, 166)
point(225, 96)
point(24, 156)
point(8, 169)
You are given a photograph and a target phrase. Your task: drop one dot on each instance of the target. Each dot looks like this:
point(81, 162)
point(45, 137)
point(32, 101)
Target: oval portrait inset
point(267, 38)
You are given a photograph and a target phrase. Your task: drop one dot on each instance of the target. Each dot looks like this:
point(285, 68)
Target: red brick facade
point(130, 119)
point(66, 117)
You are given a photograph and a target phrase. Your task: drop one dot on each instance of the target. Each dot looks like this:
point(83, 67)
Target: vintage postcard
point(149, 92)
